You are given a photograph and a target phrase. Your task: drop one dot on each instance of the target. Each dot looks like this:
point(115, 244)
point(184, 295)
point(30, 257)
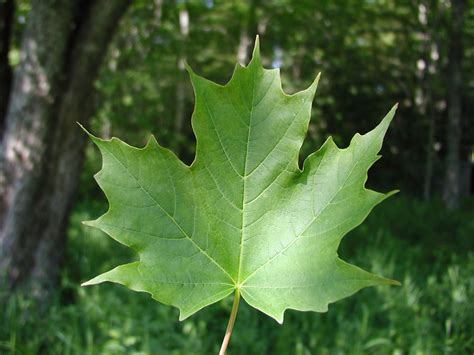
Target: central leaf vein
point(244, 180)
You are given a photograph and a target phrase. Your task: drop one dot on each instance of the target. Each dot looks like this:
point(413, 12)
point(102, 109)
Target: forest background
point(119, 68)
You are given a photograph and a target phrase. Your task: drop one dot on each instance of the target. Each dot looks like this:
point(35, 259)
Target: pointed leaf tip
point(83, 128)
point(393, 109)
point(395, 283)
point(182, 316)
point(256, 52)
point(95, 139)
point(393, 192)
point(315, 83)
point(388, 118)
point(89, 223)
point(188, 68)
point(96, 280)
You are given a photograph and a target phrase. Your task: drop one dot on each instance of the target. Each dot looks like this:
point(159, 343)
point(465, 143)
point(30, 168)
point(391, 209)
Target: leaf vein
point(173, 219)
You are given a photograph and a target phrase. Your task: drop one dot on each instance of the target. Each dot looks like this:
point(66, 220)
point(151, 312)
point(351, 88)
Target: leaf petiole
point(230, 325)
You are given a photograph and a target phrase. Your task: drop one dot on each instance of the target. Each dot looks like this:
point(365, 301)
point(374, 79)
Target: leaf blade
point(243, 215)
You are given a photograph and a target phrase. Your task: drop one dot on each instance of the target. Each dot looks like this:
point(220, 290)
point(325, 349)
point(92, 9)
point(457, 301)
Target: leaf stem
point(230, 325)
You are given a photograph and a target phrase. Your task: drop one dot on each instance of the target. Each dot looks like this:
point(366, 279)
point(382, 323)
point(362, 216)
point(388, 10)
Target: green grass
point(428, 249)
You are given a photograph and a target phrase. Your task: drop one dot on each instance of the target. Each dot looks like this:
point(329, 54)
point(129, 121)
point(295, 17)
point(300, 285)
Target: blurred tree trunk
point(181, 83)
point(42, 150)
point(454, 94)
point(6, 23)
point(427, 68)
point(430, 152)
point(158, 12)
point(248, 33)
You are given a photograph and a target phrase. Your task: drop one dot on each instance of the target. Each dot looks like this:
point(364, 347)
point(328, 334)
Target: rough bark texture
point(454, 90)
point(6, 23)
point(42, 151)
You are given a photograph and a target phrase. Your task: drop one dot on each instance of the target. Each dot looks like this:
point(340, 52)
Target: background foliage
point(371, 55)
point(431, 313)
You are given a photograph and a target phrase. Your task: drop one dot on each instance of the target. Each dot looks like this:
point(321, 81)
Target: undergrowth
point(428, 249)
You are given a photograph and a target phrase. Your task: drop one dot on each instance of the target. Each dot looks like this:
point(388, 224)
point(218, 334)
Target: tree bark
point(6, 23)
point(454, 94)
point(41, 156)
point(180, 103)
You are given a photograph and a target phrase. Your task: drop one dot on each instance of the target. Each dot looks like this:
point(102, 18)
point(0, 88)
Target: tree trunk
point(430, 155)
point(248, 33)
point(6, 23)
point(180, 103)
point(427, 69)
point(454, 93)
point(42, 151)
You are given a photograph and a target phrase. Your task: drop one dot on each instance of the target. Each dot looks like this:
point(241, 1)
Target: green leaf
point(243, 216)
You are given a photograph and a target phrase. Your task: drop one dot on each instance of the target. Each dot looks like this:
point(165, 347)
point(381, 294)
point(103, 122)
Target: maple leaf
point(243, 217)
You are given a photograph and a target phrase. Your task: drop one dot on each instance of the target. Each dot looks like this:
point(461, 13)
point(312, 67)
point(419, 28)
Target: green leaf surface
point(243, 215)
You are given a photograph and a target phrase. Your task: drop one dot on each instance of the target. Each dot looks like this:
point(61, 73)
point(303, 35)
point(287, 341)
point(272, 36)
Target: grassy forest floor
point(428, 249)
